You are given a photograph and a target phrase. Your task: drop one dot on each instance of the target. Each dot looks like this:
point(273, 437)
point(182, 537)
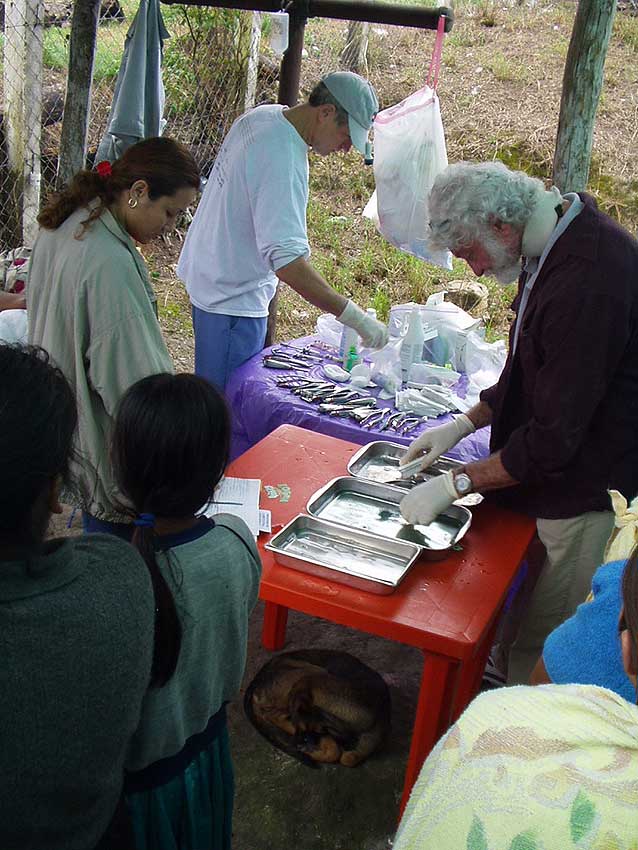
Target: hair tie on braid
point(145, 521)
point(104, 169)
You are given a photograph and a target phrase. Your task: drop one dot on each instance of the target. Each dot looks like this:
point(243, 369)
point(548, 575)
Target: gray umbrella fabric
point(138, 101)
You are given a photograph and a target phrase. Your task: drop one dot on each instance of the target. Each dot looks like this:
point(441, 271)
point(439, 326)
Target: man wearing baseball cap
point(249, 230)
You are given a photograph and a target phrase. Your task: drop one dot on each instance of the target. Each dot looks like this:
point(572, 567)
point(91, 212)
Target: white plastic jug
point(412, 345)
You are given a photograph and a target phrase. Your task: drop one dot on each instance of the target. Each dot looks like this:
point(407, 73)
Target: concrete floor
point(281, 803)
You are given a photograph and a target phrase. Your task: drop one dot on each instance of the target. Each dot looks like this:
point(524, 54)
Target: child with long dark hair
point(170, 449)
point(76, 633)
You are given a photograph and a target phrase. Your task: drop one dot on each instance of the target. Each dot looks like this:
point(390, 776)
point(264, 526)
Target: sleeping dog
point(320, 706)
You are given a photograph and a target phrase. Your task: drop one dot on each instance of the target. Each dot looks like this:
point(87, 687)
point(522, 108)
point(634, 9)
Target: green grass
point(505, 70)
point(626, 29)
point(108, 51)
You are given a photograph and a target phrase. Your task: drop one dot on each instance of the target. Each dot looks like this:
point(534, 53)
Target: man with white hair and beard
point(564, 413)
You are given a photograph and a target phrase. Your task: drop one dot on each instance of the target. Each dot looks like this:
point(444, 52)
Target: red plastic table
point(448, 609)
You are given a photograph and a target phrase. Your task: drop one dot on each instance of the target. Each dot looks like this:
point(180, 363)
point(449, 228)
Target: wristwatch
point(463, 484)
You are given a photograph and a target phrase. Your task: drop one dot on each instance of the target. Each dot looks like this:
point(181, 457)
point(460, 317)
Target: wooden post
point(582, 82)
point(22, 73)
point(77, 104)
point(34, 40)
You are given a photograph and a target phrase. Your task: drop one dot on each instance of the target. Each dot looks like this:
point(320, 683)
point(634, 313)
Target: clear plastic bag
point(452, 323)
point(13, 327)
point(409, 153)
point(385, 367)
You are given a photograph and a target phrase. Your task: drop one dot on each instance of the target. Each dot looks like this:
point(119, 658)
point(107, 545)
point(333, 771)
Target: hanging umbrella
point(138, 101)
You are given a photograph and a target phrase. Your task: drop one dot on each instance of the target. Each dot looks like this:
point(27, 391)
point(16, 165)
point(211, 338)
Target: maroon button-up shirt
point(565, 409)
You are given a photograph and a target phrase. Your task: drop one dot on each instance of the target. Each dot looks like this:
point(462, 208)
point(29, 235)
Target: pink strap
point(435, 62)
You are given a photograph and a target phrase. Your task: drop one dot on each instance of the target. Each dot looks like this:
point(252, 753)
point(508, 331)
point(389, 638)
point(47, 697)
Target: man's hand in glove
point(426, 501)
point(437, 441)
point(373, 333)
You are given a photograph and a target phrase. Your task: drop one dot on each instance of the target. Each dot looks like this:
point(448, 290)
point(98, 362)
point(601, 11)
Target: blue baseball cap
point(359, 100)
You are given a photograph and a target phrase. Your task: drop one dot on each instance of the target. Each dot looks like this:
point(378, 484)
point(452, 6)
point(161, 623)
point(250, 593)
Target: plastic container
point(278, 39)
point(352, 359)
point(412, 345)
point(349, 338)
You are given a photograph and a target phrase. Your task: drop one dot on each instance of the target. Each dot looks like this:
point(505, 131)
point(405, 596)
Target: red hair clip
point(104, 169)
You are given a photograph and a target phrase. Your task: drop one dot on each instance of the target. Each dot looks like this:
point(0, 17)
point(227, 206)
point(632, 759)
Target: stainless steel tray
point(361, 560)
point(379, 462)
point(367, 506)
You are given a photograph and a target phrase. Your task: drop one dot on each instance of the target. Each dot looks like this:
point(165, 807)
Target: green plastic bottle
point(352, 359)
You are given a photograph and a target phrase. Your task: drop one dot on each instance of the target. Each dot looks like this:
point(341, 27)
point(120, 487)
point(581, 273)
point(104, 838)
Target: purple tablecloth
point(258, 406)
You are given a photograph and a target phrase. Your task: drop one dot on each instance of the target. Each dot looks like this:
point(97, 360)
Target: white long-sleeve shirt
point(251, 219)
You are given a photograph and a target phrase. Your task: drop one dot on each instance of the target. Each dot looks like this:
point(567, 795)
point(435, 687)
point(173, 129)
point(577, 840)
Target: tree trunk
point(22, 71)
point(354, 54)
point(582, 83)
point(77, 105)
point(253, 61)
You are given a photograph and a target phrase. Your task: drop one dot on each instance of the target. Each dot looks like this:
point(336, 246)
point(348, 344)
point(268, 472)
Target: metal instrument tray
point(351, 557)
point(379, 461)
point(367, 506)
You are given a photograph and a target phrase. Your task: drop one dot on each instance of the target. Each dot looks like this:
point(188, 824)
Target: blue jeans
point(222, 343)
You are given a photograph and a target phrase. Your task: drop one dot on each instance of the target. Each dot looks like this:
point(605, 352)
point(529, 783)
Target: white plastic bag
point(386, 368)
point(13, 327)
point(328, 329)
point(409, 153)
point(484, 362)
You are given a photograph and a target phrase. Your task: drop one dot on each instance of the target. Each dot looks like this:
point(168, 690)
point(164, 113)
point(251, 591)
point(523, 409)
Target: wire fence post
point(22, 80)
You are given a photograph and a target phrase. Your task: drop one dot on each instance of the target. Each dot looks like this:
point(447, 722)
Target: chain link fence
point(217, 63)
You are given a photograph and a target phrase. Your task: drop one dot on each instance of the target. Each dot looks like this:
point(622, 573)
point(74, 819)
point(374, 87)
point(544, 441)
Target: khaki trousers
point(574, 550)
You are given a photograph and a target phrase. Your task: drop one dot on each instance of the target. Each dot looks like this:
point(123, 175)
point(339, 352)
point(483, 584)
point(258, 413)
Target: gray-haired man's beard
point(508, 274)
point(506, 263)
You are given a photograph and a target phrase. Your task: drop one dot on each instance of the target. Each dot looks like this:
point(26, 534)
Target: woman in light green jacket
point(91, 304)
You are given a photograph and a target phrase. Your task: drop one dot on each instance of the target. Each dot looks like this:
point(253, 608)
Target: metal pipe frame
point(351, 10)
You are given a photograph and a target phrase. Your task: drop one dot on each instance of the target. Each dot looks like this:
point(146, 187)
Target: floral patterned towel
point(546, 768)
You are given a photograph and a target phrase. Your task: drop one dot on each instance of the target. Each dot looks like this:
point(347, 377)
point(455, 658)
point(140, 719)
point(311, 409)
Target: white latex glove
point(373, 332)
point(437, 441)
point(426, 501)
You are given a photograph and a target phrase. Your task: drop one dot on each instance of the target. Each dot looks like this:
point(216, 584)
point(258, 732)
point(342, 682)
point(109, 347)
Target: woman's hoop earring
point(132, 202)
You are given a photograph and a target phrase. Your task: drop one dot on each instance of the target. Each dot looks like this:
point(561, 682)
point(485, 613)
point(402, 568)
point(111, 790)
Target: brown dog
point(320, 706)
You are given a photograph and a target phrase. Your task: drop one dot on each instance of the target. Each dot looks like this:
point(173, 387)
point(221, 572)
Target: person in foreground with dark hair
point(90, 301)
point(170, 449)
point(249, 230)
point(552, 767)
point(76, 634)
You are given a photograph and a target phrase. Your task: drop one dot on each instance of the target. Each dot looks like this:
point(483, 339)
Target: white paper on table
point(240, 497)
point(265, 521)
